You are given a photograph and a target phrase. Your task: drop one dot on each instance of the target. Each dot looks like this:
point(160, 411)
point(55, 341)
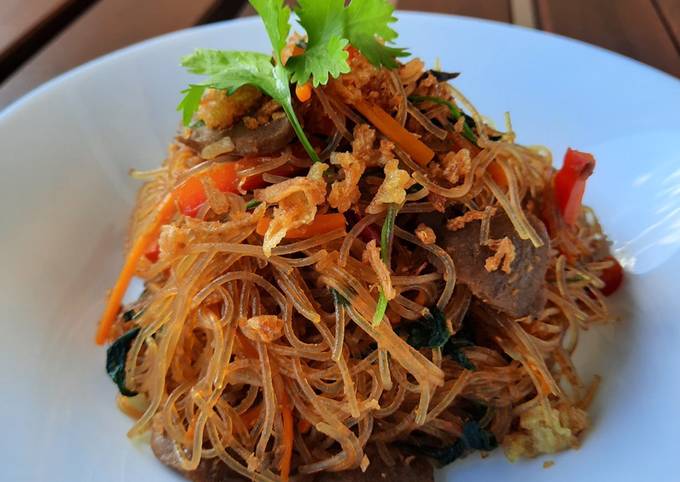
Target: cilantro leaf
point(325, 51)
point(365, 21)
point(430, 331)
point(275, 16)
point(477, 438)
point(229, 70)
point(190, 102)
point(116, 357)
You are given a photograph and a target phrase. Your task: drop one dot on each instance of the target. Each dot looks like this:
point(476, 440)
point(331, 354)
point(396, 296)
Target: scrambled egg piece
point(393, 188)
point(220, 111)
point(346, 192)
point(545, 433)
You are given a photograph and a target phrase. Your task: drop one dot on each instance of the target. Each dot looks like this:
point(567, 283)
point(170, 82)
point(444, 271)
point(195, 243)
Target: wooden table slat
point(670, 11)
point(630, 27)
point(18, 18)
point(107, 26)
point(648, 30)
point(489, 9)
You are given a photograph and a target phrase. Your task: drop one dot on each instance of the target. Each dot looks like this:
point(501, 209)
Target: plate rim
point(112, 56)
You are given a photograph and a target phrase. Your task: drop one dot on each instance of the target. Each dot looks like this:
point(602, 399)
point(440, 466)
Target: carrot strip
point(304, 425)
point(413, 146)
point(248, 349)
point(190, 194)
point(303, 91)
point(321, 224)
point(139, 247)
point(251, 416)
point(284, 407)
point(498, 174)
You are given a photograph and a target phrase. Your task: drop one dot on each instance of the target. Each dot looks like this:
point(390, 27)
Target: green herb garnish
point(474, 437)
point(477, 438)
point(325, 53)
point(453, 349)
point(253, 203)
point(443, 76)
point(116, 357)
point(338, 299)
point(386, 235)
point(330, 27)
point(431, 332)
point(368, 22)
point(456, 113)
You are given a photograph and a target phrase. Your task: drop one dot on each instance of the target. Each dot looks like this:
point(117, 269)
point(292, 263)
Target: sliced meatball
point(214, 470)
point(208, 470)
point(518, 293)
point(266, 139)
point(418, 470)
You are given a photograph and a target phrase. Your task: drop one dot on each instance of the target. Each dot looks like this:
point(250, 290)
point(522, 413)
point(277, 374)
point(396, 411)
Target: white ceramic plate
point(65, 199)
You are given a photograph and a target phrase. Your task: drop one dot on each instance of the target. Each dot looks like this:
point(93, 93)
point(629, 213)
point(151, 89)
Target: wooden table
point(40, 39)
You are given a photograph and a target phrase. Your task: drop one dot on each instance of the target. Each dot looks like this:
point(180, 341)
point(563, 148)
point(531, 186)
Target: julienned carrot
point(498, 174)
point(139, 247)
point(304, 425)
point(413, 146)
point(322, 223)
point(284, 405)
point(251, 416)
point(189, 196)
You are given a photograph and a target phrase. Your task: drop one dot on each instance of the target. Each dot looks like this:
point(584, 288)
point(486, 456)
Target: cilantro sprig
point(330, 26)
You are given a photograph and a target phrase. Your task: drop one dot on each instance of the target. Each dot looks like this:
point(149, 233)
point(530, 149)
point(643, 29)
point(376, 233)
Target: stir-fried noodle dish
point(348, 272)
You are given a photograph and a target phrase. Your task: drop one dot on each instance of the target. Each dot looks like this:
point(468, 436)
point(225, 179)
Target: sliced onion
point(217, 148)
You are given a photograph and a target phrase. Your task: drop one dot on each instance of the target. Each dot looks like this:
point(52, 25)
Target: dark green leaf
point(455, 112)
point(325, 52)
point(116, 356)
point(415, 188)
point(190, 102)
point(453, 350)
point(444, 76)
point(430, 331)
point(386, 235)
point(474, 438)
point(275, 16)
point(338, 298)
point(253, 203)
point(367, 25)
point(442, 455)
point(477, 438)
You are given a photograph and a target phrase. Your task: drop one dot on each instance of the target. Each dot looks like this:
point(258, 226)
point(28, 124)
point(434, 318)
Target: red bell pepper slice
point(570, 183)
point(612, 277)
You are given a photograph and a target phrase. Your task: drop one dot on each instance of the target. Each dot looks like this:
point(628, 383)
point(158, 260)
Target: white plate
point(65, 199)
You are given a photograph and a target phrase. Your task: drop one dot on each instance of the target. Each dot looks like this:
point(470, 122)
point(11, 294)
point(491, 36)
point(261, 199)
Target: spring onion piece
point(386, 236)
point(456, 113)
